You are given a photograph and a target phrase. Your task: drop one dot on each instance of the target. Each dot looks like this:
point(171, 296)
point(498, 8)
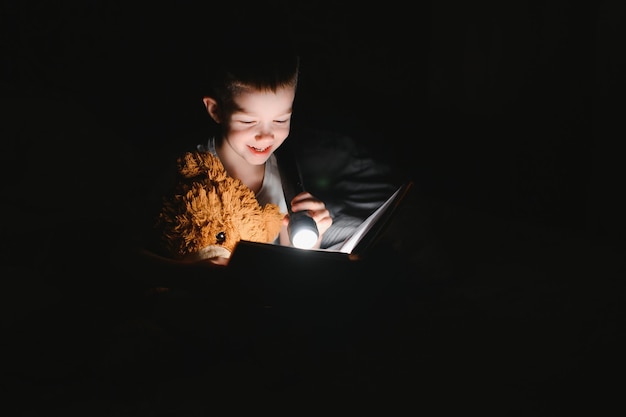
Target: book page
point(348, 245)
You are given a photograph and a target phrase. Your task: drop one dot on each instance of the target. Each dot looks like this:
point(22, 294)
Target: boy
point(250, 98)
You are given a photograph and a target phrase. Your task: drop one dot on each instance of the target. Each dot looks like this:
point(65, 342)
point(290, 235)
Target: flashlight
point(302, 230)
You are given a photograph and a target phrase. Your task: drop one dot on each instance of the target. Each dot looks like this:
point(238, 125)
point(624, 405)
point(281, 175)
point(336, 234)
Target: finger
point(308, 205)
point(322, 220)
point(302, 197)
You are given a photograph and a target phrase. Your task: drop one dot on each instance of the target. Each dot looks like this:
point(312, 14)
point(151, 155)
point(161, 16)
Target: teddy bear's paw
point(210, 252)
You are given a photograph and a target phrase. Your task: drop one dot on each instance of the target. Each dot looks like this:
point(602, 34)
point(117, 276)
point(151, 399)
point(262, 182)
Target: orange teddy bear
point(210, 212)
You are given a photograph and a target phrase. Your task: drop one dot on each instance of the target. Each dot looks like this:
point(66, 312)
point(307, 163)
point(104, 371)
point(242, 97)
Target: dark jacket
point(342, 173)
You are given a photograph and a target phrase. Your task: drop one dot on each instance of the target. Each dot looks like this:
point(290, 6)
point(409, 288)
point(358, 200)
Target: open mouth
point(260, 150)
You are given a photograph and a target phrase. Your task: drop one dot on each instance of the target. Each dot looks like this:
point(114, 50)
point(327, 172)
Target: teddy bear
point(209, 212)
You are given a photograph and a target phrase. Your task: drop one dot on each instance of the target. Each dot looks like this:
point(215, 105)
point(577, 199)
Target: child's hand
point(316, 209)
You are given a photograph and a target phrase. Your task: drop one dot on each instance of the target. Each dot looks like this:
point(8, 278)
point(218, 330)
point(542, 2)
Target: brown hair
point(254, 71)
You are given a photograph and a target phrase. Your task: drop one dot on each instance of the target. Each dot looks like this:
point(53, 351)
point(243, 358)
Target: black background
point(507, 114)
point(510, 108)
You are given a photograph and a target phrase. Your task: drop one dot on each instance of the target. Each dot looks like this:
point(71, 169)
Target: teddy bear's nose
point(220, 237)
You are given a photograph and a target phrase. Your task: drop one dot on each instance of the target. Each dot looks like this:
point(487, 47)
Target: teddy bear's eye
point(221, 237)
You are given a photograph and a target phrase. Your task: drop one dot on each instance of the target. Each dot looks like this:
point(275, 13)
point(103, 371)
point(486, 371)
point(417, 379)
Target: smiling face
point(257, 125)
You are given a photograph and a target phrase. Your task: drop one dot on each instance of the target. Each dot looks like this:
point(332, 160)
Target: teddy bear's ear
point(193, 164)
point(188, 165)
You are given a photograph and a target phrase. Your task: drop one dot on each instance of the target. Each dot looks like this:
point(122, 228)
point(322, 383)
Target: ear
point(212, 108)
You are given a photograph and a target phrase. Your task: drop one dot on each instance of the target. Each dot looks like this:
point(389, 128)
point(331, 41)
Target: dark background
point(509, 108)
point(508, 115)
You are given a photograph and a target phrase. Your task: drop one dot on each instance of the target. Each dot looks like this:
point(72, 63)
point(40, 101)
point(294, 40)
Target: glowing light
point(302, 230)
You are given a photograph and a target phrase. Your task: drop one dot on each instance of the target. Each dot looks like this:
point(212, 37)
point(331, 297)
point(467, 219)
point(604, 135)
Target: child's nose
point(265, 130)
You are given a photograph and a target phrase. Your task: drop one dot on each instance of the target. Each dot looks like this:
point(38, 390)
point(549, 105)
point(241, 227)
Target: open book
point(370, 229)
point(353, 248)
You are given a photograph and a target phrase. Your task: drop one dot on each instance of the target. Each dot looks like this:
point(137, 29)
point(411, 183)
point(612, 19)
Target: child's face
point(260, 124)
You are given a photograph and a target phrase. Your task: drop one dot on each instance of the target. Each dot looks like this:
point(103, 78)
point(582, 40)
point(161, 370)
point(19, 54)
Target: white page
point(348, 245)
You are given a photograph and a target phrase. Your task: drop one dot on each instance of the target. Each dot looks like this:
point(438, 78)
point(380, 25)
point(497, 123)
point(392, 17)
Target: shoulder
point(337, 155)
